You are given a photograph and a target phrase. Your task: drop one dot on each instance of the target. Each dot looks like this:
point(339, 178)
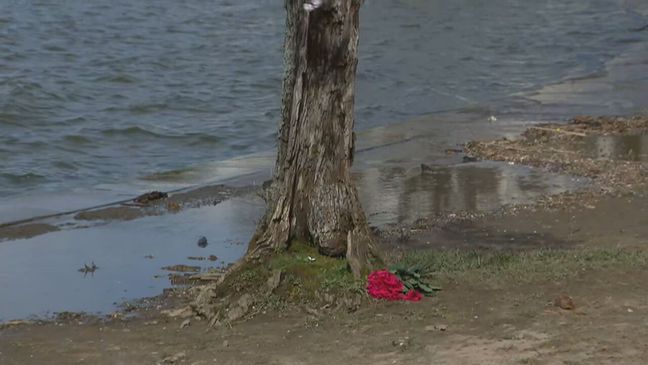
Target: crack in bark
point(313, 197)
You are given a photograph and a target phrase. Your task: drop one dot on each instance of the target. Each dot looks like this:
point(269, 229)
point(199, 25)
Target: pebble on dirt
point(565, 302)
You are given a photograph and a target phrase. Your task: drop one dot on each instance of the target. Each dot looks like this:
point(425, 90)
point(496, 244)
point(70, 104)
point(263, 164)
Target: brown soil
point(576, 314)
point(470, 323)
point(26, 230)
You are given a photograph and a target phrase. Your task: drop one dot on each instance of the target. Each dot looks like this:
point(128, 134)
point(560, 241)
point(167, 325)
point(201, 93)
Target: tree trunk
point(312, 197)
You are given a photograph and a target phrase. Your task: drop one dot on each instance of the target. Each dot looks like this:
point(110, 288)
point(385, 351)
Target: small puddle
point(40, 276)
point(402, 195)
point(622, 147)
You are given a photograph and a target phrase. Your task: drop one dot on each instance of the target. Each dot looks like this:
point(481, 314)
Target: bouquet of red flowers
point(397, 284)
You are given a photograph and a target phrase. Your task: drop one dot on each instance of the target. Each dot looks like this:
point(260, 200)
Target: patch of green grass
point(252, 274)
point(307, 277)
point(522, 265)
point(274, 302)
point(250, 277)
point(312, 272)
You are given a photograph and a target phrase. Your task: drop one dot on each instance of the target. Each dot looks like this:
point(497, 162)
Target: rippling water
point(112, 91)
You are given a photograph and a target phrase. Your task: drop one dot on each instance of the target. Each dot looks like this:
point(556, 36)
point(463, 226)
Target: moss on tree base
point(296, 277)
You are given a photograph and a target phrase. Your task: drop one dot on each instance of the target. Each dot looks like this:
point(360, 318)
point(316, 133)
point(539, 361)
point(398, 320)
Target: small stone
point(565, 302)
point(437, 327)
point(240, 309)
point(202, 242)
point(173, 359)
point(402, 343)
point(186, 323)
point(225, 343)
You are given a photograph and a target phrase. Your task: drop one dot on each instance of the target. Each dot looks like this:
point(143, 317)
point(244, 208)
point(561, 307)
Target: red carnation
point(412, 296)
point(382, 284)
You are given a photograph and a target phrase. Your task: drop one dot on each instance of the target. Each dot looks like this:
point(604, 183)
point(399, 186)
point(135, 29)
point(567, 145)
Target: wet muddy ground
point(418, 169)
point(485, 325)
point(586, 190)
point(503, 318)
point(131, 243)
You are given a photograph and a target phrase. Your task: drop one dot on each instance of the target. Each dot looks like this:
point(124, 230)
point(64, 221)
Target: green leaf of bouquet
point(425, 288)
point(428, 289)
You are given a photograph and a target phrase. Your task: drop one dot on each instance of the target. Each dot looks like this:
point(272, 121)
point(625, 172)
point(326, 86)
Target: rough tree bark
point(312, 196)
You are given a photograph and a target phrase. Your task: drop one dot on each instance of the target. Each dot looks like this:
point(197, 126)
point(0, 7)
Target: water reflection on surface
point(623, 147)
point(403, 195)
